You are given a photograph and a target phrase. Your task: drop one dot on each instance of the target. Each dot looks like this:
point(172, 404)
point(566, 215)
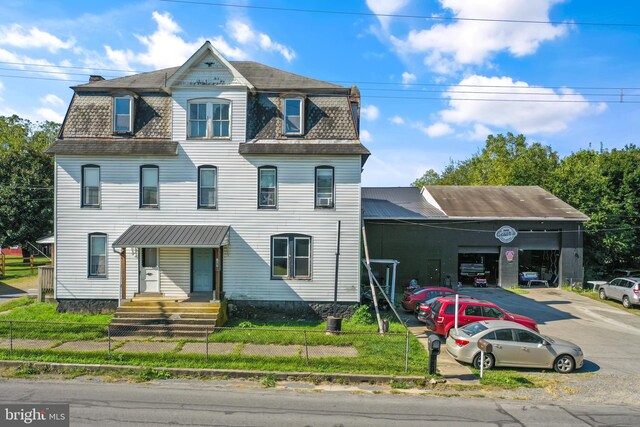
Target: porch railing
point(45, 282)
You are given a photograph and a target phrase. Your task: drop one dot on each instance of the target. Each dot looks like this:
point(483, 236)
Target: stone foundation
point(288, 310)
point(87, 306)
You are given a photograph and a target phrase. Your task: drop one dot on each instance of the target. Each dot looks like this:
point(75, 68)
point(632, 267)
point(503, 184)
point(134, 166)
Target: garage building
point(442, 235)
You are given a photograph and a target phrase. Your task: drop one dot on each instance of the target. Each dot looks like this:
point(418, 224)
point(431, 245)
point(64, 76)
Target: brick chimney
point(95, 78)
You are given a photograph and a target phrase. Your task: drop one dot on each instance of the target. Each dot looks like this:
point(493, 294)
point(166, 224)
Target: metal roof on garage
point(173, 236)
point(437, 202)
point(397, 203)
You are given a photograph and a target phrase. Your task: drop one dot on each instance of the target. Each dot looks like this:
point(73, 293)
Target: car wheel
point(489, 361)
point(602, 294)
point(625, 302)
point(564, 364)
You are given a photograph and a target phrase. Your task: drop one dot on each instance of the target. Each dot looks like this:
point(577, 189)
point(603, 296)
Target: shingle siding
point(326, 117)
point(91, 116)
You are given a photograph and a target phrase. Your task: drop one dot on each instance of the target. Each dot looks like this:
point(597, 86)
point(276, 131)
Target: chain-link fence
point(213, 347)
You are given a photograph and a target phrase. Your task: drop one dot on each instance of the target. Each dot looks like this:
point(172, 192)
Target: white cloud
point(449, 46)
point(397, 120)
point(436, 130)
point(479, 132)
point(398, 167)
point(527, 117)
point(18, 60)
point(408, 78)
point(49, 114)
point(242, 33)
point(53, 100)
point(370, 112)
point(386, 7)
point(365, 136)
point(17, 36)
point(165, 48)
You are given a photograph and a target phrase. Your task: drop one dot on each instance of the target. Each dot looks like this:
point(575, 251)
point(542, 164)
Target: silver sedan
point(513, 345)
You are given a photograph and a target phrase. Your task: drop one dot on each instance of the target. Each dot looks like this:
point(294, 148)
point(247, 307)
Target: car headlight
point(578, 351)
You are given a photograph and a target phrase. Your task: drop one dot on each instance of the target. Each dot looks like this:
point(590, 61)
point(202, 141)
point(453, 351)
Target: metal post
point(306, 348)
point(109, 340)
point(206, 345)
point(386, 280)
point(456, 315)
point(393, 283)
point(10, 338)
point(335, 285)
point(406, 354)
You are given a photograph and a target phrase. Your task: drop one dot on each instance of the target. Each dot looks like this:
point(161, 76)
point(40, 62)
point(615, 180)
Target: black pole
point(335, 285)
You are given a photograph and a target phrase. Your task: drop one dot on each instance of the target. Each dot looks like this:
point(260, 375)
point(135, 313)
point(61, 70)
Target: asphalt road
point(207, 403)
point(608, 336)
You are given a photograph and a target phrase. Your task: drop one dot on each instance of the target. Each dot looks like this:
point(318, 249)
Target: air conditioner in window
point(324, 201)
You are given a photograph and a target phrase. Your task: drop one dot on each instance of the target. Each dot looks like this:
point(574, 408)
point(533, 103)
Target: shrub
point(362, 316)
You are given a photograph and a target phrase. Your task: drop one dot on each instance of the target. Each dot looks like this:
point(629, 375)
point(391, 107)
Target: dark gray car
point(623, 289)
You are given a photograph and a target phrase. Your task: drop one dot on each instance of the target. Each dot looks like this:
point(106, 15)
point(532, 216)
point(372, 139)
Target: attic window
point(122, 114)
point(293, 116)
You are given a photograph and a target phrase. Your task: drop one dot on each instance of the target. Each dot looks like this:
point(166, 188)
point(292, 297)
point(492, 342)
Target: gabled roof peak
point(217, 62)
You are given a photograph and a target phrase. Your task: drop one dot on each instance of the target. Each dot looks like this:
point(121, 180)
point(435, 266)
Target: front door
point(149, 270)
point(202, 270)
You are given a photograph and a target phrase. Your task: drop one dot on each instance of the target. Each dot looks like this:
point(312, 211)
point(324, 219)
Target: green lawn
point(15, 268)
point(380, 354)
point(40, 320)
point(516, 290)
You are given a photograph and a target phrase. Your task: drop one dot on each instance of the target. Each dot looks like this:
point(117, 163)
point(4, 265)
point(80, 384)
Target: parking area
point(609, 337)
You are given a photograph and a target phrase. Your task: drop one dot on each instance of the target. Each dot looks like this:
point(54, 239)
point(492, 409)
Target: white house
point(216, 178)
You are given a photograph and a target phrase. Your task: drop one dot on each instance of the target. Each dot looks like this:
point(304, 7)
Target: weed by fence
point(215, 347)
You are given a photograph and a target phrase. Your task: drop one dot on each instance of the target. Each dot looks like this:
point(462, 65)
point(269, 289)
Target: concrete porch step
point(165, 321)
point(164, 330)
point(170, 304)
point(154, 314)
point(180, 309)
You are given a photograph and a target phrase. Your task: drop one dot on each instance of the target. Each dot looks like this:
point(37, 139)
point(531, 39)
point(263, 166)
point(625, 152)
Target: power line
point(416, 84)
point(395, 15)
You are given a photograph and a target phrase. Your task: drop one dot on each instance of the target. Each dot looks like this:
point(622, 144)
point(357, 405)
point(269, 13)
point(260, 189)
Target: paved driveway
point(609, 337)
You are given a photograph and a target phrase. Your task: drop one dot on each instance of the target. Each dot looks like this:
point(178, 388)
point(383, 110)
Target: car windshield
point(474, 328)
point(548, 338)
point(418, 292)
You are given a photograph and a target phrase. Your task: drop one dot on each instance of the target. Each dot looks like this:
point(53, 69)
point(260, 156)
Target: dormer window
point(209, 119)
point(123, 114)
point(293, 116)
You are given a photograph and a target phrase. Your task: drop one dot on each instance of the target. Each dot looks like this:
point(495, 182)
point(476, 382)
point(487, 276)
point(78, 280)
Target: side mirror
point(544, 343)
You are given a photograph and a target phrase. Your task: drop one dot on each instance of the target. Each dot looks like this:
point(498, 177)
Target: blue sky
point(387, 57)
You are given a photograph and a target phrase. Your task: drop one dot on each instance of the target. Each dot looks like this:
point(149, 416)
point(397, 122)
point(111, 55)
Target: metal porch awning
point(174, 236)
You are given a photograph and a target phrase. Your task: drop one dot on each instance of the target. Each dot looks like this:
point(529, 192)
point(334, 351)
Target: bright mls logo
point(506, 234)
point(35, 415)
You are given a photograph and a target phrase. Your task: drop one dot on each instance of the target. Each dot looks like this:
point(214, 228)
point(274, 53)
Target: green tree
point(26, 180)
point(504, 160)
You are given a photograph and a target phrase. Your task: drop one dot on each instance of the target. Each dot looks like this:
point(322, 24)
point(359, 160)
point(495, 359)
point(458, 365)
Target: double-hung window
point(267, 187)
point(291, 256)
point(325, 187)
point(209, 119)
point(97, 255)
point(293, 122)
point(149, 186)
point(207, 187)
point(90, 186)
point(123, 114)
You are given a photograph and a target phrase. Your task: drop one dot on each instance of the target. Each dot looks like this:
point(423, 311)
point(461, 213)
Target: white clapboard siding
point(175, 272)
point(246, 264)
point(237, 97)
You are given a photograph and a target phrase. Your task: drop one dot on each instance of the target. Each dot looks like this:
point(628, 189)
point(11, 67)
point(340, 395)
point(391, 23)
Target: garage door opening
point(478, 263)
point(538, 265)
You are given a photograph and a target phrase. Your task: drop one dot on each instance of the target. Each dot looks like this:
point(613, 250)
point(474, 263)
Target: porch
point(175, 263)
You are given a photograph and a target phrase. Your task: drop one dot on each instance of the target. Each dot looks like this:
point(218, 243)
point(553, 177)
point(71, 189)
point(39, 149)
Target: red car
point(411, 301)
point(470, 310)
